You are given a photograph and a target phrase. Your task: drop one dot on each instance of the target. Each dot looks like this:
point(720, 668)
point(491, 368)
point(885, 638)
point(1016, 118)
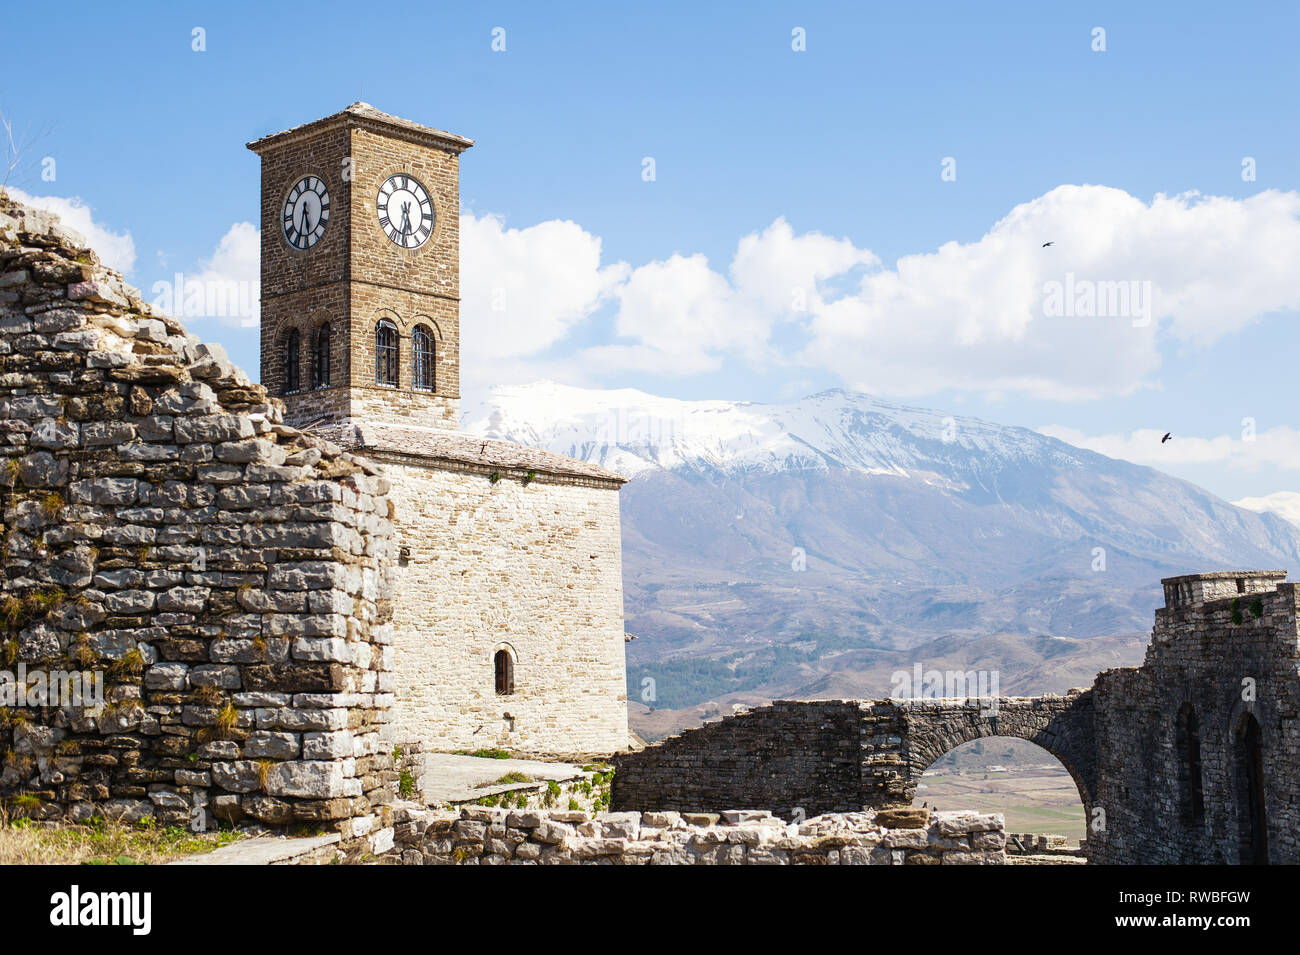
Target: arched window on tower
point(386, 353)
point(422, 377)
point(320, 358)
point(291, 351)
point(504, 666)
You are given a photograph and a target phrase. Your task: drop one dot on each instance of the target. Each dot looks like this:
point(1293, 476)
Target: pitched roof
point(435, 445)
point(365, 115)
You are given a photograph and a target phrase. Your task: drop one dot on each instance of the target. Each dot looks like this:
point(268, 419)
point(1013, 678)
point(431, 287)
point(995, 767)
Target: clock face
point(306, 210)
point(405, 211)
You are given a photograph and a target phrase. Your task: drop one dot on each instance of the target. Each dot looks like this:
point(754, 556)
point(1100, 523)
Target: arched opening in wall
point(1252, 817)
point(292, 350)
point(1187, 745)
point(1027, 784)
point(503, 665)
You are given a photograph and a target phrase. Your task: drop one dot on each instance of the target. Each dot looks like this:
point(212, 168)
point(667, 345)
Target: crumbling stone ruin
point(1189, 758)
point(813, 757)
point(1199, 748)
point(483, 836)
point(225, 575)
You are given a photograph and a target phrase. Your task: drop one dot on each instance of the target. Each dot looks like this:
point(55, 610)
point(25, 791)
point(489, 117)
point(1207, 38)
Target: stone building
point(508, 610)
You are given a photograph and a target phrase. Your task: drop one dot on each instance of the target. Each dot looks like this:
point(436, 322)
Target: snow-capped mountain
point(632, 432)
point(769, 548)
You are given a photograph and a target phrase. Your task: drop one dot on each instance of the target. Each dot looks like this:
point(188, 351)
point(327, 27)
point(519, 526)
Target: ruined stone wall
point(1190, 758)
point(1222, 660)
point(223, 574)
point(531, 566)
point(483, 836)
point(841, 756)
point(785, 757)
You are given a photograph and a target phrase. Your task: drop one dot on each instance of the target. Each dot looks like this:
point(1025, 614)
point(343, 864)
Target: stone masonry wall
point(531, 566)
point(483, 836)
point(223, 574)
point(785, 757)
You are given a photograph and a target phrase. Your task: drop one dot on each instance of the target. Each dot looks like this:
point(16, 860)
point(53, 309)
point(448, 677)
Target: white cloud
point(782, 273)
point(977, 317)
point(115, 249)
point(681, 314)
point(523, 290)
point(227, 286)
point(684, 317)
point(1277, 447)
point(1285, 504)
point(972, 316)
point(238, 254)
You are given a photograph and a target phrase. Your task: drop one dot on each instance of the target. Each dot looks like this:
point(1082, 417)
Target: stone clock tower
point(361, 270)
point(506, 560)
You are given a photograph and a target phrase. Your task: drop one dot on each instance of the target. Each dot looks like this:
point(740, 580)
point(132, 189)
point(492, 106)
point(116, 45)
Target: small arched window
point(504, 666)
point(291, 351)
point(386, 353)
point(320, 358)
point(422, 377)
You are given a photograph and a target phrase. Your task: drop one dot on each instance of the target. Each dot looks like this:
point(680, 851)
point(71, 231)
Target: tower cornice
point(365, 116)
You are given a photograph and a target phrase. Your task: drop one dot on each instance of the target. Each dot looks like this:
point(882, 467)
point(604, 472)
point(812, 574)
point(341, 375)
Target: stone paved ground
point(449, 777)
point(271, 850)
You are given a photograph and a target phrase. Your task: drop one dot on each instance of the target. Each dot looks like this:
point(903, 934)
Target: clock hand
point(406, 219)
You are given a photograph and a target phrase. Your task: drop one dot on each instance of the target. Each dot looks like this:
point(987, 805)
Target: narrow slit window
point(291, 355)
point(320, 364)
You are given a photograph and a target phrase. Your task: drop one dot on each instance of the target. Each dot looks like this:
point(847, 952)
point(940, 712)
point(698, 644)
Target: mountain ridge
point(775, 549)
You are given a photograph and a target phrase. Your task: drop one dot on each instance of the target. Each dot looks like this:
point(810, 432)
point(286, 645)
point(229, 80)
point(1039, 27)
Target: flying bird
point(1046, 244)
point(1167, 436)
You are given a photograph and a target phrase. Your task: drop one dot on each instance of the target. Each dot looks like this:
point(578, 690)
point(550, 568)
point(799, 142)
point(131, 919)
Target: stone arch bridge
point(844, 755)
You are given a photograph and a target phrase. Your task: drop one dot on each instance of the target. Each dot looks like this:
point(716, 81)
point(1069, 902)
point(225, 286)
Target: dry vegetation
point(25, 842)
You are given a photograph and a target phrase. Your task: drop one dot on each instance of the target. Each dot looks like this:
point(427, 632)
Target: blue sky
point(841, 145)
